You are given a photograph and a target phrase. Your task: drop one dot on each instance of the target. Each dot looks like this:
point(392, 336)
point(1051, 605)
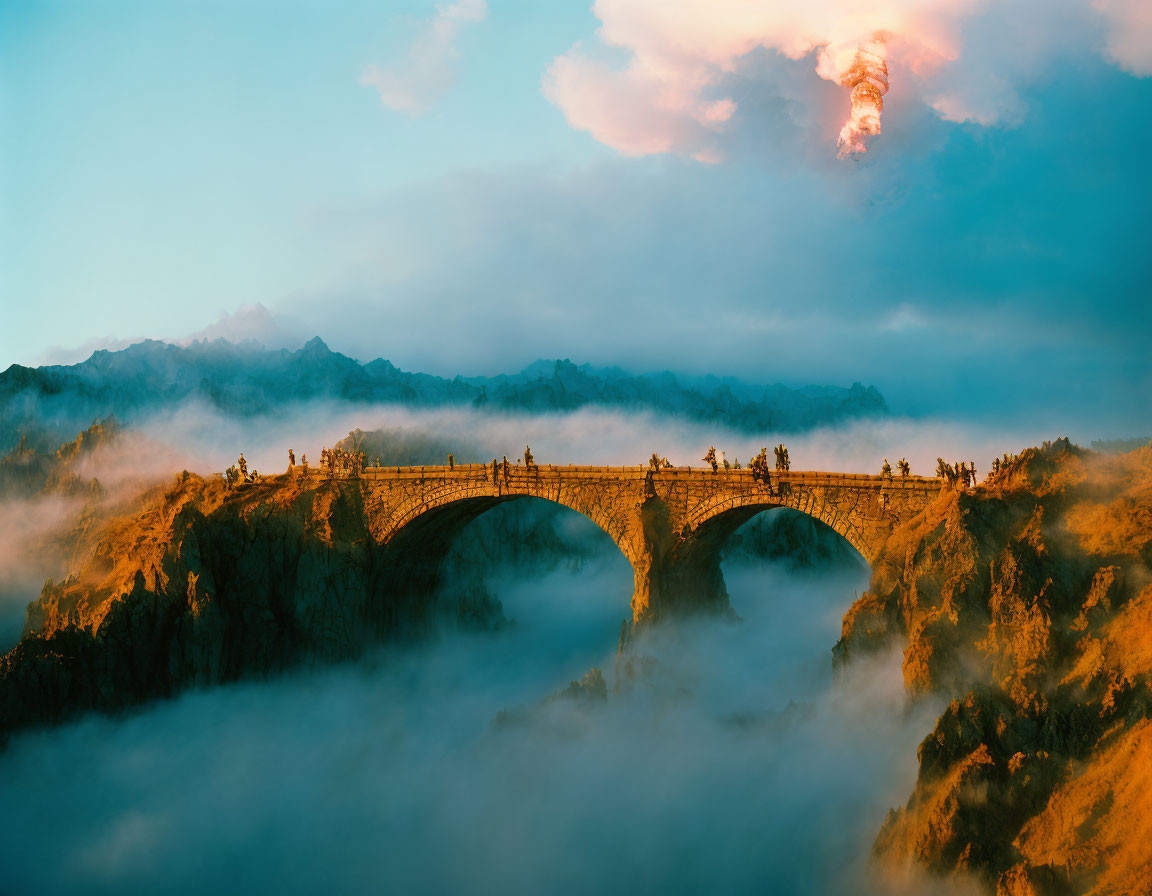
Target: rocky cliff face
point(1030, 601)
point(33, 467)
point(206, 585)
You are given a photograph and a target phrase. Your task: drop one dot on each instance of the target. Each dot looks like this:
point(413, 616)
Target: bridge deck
point(573, 471)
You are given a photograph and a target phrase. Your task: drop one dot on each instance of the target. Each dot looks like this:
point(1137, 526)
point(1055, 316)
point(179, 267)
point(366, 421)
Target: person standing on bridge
point(886, 470)
point(759, 466)
point(291, 459)
point(710, 458)
point(782, 462)
point(528, 458)
point(243, 465)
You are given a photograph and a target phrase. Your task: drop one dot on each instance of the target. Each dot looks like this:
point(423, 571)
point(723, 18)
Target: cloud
point(944, 278)
point(674, 90)
point(428, 70)
point(251, 323)
point(706, 779)
point(1129, 34)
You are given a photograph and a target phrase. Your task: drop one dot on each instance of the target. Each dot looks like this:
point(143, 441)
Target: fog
point(33, 528)
point(199, 438)
point(737, 761)
point(585, 436)
point(740, 762)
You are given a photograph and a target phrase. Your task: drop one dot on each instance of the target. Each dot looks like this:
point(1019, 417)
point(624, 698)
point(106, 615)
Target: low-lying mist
point(201, 439)
point(736, 761)
point(585, 436)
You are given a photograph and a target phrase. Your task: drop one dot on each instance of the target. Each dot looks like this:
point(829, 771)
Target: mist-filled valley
point(725, 754)
point(599, 446)
point(715, 751)
point(191, 699)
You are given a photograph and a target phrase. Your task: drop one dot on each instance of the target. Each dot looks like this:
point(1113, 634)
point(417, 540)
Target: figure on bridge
point(886, 470)
point(654, 462)
point(528, 459)
point(724, 461)
point(291, 458)
point(759, 466)
point(710, 458)
point(243, 465)
point(904, 467)
point(451, 462)
point(304, 462)
point(783, 464)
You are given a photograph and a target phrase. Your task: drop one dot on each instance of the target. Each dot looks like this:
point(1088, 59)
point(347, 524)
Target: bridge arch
point(718, 517)
point(669, 523)
point(418, 533)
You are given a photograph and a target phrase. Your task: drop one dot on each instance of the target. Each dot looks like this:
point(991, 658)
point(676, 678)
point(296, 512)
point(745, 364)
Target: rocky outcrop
point(206, 585)
point(33, 467)
point(1030, 601)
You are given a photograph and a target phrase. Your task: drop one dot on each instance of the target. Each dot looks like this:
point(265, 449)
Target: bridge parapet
point(535, 471)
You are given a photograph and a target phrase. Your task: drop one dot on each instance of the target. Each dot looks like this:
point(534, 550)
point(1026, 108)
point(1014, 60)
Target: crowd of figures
point(957, 473)
point(238, 472)
point(339, 462)
point(716, 460)
point(902, 467)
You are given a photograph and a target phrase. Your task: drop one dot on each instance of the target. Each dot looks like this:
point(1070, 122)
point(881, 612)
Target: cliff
point(32, 466)
point(1029, 601)
point(204, 585)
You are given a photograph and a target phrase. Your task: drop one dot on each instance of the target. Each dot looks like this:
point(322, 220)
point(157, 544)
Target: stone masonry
point(670, 523)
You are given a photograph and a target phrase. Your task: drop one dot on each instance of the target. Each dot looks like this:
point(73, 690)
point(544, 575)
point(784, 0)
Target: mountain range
point(247, 379)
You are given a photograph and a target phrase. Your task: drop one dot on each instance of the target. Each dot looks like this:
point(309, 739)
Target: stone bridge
point(669, 523)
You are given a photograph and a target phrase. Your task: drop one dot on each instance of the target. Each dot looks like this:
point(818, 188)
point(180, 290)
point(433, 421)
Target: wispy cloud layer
point(428, 69)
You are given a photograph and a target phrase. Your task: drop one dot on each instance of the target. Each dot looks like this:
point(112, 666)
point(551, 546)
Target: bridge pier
point(678, 572)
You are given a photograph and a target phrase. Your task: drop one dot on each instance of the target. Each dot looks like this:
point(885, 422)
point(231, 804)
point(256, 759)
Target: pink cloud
point(428, 69)
point(669, 95)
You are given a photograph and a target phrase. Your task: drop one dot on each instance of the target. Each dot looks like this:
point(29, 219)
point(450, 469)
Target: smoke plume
point(868, 80)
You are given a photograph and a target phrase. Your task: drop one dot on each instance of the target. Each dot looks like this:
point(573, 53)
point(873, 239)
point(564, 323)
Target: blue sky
point(164, 164)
